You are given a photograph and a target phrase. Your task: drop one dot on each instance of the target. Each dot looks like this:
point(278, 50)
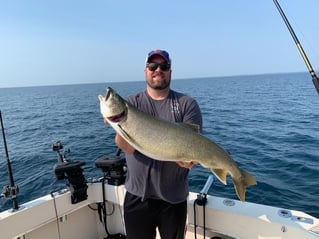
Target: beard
point(158, 81)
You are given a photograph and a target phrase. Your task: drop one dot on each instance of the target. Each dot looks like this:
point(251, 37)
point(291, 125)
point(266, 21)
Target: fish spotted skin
point(169, 141)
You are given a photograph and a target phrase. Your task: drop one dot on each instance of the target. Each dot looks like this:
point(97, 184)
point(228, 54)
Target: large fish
point(167, 141)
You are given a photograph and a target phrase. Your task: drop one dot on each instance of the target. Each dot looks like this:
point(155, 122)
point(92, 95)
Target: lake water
point(269, 124)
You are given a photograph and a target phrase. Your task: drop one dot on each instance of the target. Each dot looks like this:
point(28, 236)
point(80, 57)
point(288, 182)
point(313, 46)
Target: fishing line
point(56, 214)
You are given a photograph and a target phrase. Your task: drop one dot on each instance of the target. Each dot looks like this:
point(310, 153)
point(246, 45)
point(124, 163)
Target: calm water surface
point(269, 124)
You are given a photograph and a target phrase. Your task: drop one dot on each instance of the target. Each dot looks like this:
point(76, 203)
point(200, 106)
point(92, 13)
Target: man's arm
point(122, 144)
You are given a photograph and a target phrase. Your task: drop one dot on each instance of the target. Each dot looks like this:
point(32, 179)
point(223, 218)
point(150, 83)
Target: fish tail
point(240, 183)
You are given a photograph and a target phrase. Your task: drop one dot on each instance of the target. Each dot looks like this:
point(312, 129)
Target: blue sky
point(68, 42)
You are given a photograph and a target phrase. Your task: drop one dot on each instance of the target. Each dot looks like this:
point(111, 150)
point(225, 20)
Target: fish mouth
point(108, 93)
point(117, 118)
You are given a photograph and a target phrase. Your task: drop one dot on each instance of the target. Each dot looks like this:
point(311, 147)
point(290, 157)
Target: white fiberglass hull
point(56, 217)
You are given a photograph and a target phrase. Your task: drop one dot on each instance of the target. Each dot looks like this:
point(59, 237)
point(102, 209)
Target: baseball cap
point(161, 53)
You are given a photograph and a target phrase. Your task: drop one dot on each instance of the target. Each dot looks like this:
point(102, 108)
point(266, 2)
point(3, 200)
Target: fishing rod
point(315, 79)
point(12, 190)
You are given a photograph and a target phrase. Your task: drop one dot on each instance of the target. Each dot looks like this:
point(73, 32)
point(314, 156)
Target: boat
point(93, 208)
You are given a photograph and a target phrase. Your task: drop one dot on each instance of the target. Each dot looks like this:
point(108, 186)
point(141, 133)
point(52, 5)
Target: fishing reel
point(8, 191)
point(114, 168)
point(71, 171)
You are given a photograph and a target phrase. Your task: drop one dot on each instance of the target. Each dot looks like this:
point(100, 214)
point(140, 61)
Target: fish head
point(113, 107)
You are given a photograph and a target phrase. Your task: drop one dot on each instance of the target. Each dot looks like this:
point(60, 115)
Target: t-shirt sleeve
point(192, 113)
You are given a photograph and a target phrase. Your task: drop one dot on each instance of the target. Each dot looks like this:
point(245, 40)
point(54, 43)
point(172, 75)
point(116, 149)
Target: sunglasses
point(152, 66)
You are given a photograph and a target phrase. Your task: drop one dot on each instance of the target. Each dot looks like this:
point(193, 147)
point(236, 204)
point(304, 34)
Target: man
point(157, 191)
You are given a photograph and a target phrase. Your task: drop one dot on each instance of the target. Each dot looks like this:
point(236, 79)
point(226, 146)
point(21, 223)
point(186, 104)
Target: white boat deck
point(56, 218)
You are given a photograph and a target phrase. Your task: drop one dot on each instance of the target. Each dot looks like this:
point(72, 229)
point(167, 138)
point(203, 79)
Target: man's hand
point(188, 165)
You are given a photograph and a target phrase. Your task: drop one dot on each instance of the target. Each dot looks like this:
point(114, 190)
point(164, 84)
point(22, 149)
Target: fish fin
point(245, 180)
point(126, 136)
point(221, 174)
point(194, 127)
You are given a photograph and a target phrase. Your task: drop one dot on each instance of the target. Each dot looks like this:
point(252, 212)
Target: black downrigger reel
point(113, 167)
point(71, 171)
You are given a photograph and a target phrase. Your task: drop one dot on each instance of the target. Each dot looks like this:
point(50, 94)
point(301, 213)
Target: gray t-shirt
point(149, 178)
